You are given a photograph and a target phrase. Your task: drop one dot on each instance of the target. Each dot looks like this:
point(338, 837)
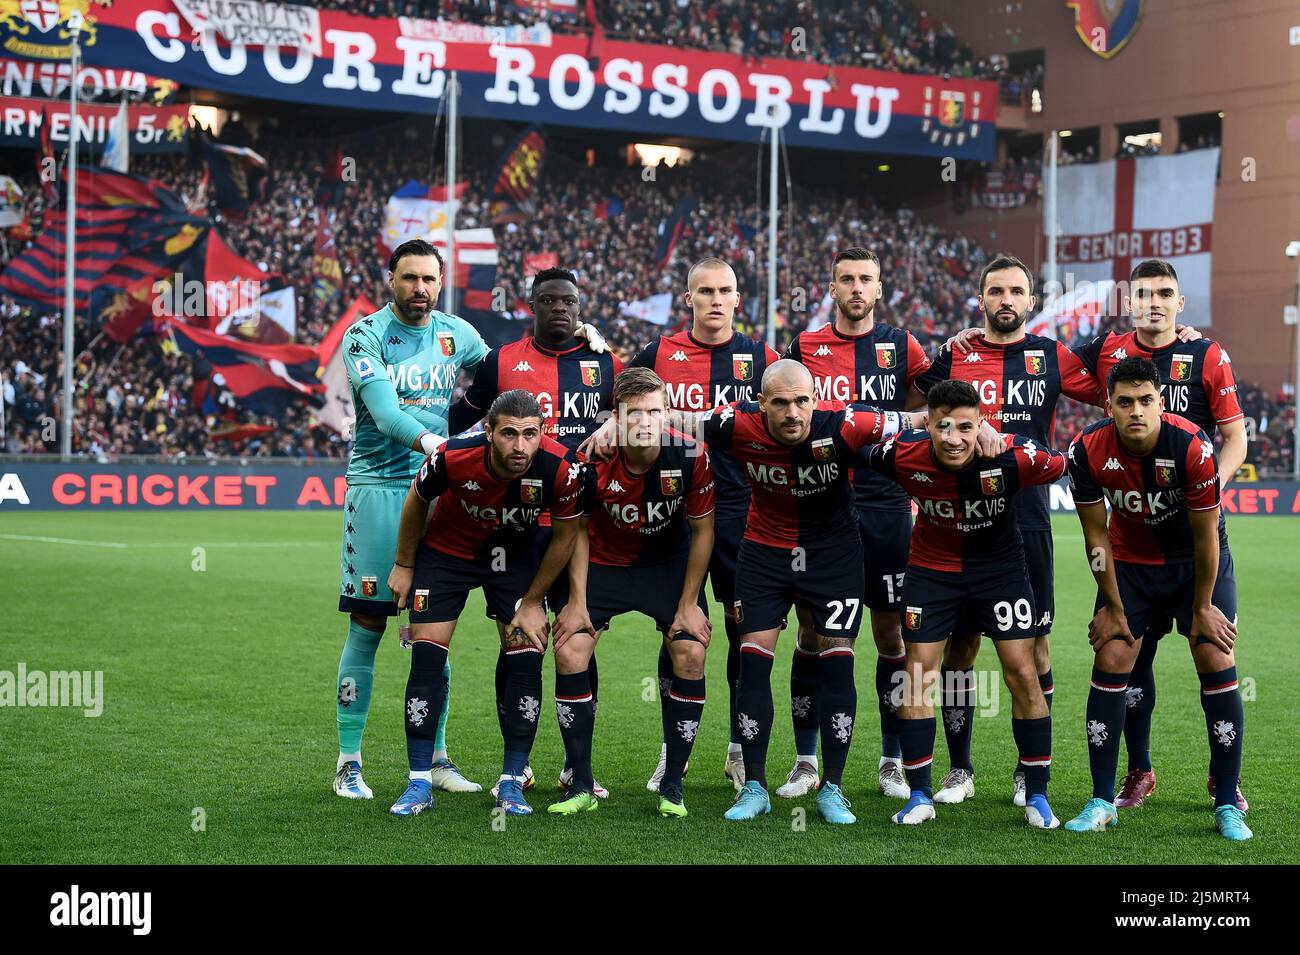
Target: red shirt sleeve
point(1077, 381)
point(618, 364)
point(1038, 465)
point(918, 362)
point(568, 489)
point(700, 502)
point(1220, 385)
point(864, 424)
point(1083, 484)
point(1201, 489)
point(770, 355)
point(431, 480)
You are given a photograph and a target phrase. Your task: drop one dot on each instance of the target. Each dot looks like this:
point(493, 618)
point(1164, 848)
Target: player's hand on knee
point(691, 619)
point(990, 442)
point(1210, 624)
point(961, 342)
point(1109, 625)
point(1186, 333)
point(573, 619)
point(529, 625)
point(399, 582)
point(601, 443)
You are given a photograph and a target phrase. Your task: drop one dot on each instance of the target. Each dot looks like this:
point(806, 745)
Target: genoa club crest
point(991, 481)
point(952, 108)
point(1166, 473)
point(1105, 26)
point(421, 601)
point(670, 483)
point(886, 355)
point(1180, 369)
point(369, 586)
point(823, 449)
point(1035, 363)
point(447, 342)
point(590, 373)
point(913, 618)
point(530, 490)
point(742, 367)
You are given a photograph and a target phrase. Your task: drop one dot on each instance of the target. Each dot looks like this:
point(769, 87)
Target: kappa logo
point(1225, 732)
point(726, 414)
point(530, 707)
point(394, 340)
point(1070, 453)
point(1112, 465)
point(1031, 451)
point(922, 477)
point(615, 488)
point(748, 725)
point(758, 446)
point(1207, 450)
point(1119, 354)
point(417, 710)
point(472, 486)
point(1098, 732)
point(574, 471)
point(973, 357)
point(823, 352)
point(1224, 359)
point(523, 366)
point(687, 728)
point(678, 355)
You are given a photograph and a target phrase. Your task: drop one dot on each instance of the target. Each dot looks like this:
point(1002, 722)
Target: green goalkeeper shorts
point(371, 514)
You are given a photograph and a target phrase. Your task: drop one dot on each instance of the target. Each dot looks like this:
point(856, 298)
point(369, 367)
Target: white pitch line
point(61, 540)
point(302, 543)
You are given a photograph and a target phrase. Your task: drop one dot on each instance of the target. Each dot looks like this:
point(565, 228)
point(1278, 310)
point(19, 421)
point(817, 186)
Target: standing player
point(1164, 554)
point(967, 562)
point(648, 549)
point(859, 359)
point(1018, 378)
point(488, 491)
point(402, 365)
point(711, 365)
point(573, 382)
point(801, 546)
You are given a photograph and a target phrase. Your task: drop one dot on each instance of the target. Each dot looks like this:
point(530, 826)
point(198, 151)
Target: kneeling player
point(1164, 554)
point(640, 557)
point(487, 491)
point(967, 557)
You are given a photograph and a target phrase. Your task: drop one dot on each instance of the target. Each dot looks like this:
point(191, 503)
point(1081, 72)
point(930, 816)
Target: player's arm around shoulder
point(1036, 463)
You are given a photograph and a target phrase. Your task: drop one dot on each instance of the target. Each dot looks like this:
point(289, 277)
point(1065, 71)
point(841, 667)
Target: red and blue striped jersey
point(877, 368)
point(964, 518)
point(1150, 495)
point(801, 493)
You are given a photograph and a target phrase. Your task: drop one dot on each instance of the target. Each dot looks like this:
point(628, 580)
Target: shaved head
point(787, 373)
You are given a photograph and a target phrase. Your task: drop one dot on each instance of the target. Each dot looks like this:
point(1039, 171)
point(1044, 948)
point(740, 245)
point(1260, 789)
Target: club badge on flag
point(991, 481)
point(913, 618)
point(590, 373)
point(421, 601)
point(1166, 473)
point(670, 483)
point(447, 341)
point(742, 367)
point(952, 108)
point(1180, 369)
point(369, 586)
point(823, 449)
point(1105, 26)
point(530, 490)
point(1035, 363)
point(886, 355)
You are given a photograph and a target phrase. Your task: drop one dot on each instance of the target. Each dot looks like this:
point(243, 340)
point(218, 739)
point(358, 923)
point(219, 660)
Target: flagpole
point(449, 280)
point(771, 235)
point(1053, 229)
point(70, 241)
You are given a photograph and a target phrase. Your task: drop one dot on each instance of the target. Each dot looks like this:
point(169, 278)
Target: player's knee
point(961, 651)
point(1042, 654)
point(572, 656)
point(888, 634)
point(370, 622)
point(1116, 656)
point(1021, 677)
point(688, 658)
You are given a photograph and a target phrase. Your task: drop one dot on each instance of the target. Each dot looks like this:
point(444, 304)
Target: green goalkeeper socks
point(356, 678)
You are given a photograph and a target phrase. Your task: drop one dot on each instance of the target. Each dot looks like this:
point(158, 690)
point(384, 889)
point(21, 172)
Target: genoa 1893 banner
point(533, 75)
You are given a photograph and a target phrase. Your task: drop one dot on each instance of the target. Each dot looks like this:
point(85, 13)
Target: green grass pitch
point(220, 684)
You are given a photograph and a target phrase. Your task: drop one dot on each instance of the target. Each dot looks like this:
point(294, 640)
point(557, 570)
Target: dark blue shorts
point(886, 540)
point(1158, 596)
point(997, 602)
point(728, 532)
point(651, 589)
point(1040, 565)
point(824, 579)
point(441, 583)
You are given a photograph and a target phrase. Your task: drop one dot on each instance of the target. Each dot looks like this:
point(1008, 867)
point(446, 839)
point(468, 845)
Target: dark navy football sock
point(523, 700)
point(1141, 701)
point(685, 709)
point(958, 710)
point(1034, 744)
point(887, 670)
point(916, 737)
point(593, 676)
point(754, 710)
point(502, 675)
point(425, 691)
point(1047, 683)
point(839, 708)
point(665, 685)
point(1104, 725)
point(1224, 722)
point(803, 700)
point(733, 673)
point(573, 709)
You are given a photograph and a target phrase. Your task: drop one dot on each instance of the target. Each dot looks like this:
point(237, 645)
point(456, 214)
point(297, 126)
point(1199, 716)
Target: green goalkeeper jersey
point(402, 377)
